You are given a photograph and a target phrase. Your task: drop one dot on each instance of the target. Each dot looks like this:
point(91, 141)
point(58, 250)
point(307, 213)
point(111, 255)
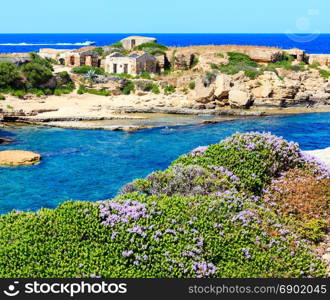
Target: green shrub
point(194, 61)
point(146, 46)
point(39, 93)
point(324, 73)
point(46, 62)
point(8, 74)
point(96, 92)
point(221, 55)
point(157, 51)
point(236, 58)
point(36, 74)
point(252, 73)
point(57, 92)
point(99, 51)
point(192, 85)
point(315, 65)
point(86, 69)
point(150, 237)
point(128, 88)
point(169, 89)
point(18, 93)
point(145, 75)
point(313, 229)
point(255, 158)
point(2, 97)
point(117, 45)
point(155, 89)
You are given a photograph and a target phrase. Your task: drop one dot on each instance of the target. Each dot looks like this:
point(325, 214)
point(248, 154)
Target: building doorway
point(125, 68)
point(88, 61)
point(72, 60)
point(133, 43)
point(114, 68)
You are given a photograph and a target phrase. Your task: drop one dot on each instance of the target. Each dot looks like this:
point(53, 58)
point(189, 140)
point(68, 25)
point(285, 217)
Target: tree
point(8, 74)
point(36, 74)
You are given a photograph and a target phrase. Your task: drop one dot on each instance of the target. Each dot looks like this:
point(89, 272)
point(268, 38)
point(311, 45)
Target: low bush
point(155, 89)
point(102, 92)
point(8, 74)
point(150, 46)
point(254, 157)
point(86, 69)
point(99, 51)
point(169, 89)
point(128, 88)
point(192, 85)
point(324, 73)
point(2, 97)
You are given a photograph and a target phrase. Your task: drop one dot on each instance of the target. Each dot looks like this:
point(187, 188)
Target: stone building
point(133, 64)
point(132, 41)
point(298, 54)
point(57, 54)
point(82, 57)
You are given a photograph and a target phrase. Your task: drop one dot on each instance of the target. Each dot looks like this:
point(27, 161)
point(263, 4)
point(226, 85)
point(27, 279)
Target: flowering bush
point(185, 180)
point(254, 157)
point(153, 236)
point(212, 213)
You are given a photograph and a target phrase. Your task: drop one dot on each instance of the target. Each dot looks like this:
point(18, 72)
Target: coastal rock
point(240, 99)
point(284, 91)
point(222, 86)
point(323, 155)
point(302, 96)
point(5, 141)
point(263, 91)
point(320, 97)
point(18, 158)
point(203, 93)
point(183, 61)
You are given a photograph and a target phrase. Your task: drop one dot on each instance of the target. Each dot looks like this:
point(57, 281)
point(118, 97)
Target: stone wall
point(88, 58)
point(322, 59)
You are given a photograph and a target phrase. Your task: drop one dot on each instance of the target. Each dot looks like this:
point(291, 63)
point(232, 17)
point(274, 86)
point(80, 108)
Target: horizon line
point(163, 33)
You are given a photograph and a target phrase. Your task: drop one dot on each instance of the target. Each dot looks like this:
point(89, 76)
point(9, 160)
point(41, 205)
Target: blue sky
point(169, 16)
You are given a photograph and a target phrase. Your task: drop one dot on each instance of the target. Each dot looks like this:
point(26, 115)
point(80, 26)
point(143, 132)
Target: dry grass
point(301, 194)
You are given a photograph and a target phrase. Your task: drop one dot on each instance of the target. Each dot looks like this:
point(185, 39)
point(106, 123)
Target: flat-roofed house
point(132, 41)
point(133, 64)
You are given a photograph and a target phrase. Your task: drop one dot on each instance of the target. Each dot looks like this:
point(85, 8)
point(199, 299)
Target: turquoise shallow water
point(94, 164)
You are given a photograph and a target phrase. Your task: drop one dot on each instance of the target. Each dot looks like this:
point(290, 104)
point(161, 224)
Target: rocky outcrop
point(183, 61)
point(203, 93)
point(18, 158)
point(239, 99)
point(322, 155)
point(222, 86)
point(322, 59)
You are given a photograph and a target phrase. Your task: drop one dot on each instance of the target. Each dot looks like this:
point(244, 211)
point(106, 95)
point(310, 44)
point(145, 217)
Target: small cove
point(93, 164)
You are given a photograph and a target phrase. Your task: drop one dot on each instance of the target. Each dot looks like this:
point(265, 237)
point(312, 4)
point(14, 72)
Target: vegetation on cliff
point(34, 77)
point(215, 212)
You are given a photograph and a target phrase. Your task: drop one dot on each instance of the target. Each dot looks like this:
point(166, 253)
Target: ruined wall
point(322, 59)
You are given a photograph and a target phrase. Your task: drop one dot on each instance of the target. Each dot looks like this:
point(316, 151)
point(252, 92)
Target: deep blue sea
point(94, 164)
point(33, 42)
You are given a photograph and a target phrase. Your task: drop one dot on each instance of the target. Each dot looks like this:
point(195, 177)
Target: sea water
point(319, 43)
point(94, 164)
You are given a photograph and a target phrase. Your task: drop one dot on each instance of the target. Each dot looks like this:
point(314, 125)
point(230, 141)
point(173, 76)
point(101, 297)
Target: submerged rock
point(18, 158)
point(5, 141)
